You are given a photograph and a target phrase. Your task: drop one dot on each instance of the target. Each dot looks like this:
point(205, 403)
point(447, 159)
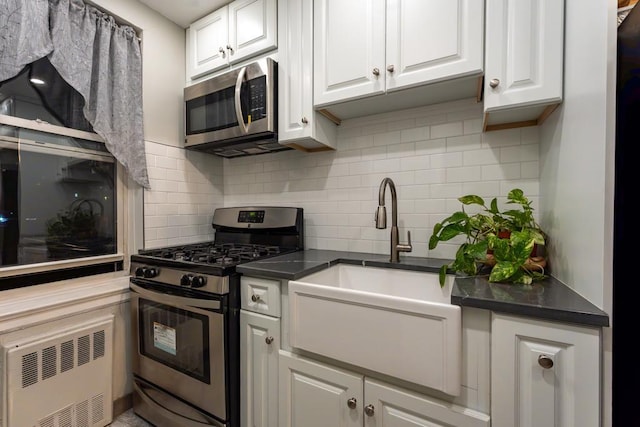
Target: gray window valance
point(93, 54)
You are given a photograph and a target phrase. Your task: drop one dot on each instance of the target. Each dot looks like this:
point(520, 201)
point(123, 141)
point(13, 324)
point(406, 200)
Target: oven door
point(179, 344)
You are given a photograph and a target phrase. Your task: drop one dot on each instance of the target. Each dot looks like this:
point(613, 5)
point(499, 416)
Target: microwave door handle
point(239, 115)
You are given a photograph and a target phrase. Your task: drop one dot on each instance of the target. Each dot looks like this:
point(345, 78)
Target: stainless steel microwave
point(235, 113)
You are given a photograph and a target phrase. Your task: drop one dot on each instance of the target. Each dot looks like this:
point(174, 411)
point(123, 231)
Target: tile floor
point(129, 419)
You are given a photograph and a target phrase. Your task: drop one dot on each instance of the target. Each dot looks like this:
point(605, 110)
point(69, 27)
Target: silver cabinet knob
point(255, 298)
point(376, 72)
point(545, 361)
point(494, 83)
point(369, 410)
point(390, 68)
point(230, 49)
point(352, 403)
point(304, 120)
point(268, 340)
point(221, 50)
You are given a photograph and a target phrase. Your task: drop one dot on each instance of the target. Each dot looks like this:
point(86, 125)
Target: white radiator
point(61, 379)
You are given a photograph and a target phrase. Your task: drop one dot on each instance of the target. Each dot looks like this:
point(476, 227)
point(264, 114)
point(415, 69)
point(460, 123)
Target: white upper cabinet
point(349, 44)
point(370, 47)
point(207, 43)
point(231, 34)
point(428, 41)
point(523, 61)
point(299, 125)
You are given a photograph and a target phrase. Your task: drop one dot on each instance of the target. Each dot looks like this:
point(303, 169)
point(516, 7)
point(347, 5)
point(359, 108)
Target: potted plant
point(506, 242)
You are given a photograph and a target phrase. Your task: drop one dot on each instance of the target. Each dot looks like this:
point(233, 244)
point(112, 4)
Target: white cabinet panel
point(429, 41)
point(314, 394)
point(299, 125)
point(389, 406)
point(206, 43)
point(544, 373)
point(317, 395)
point(523, 60)
point(231, 34)
point(367, 48)
point(260, 340)
point(348, 49)
point(252, 28)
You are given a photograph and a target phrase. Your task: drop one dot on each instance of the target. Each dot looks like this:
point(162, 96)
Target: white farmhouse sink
point(396, 322)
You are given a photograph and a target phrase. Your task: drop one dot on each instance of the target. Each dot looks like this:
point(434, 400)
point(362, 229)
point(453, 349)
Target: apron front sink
point(396, 322)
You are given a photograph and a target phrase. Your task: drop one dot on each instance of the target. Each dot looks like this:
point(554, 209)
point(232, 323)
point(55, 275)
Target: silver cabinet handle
point(545, 361)
point(369, 410)
point(376, 72)
point(268, 340)
point(494, 83)
point(304, 120)
point(352, 403)
point(230, 49)
point(390, 68)
point(221, 50)
point(255, 298)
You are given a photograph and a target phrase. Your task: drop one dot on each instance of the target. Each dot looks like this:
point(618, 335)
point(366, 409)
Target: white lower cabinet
point(260, 342)
point(544, 373)
point(315, 394)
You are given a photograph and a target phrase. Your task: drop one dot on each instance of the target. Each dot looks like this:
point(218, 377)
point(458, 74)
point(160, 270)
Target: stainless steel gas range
point(185, 308)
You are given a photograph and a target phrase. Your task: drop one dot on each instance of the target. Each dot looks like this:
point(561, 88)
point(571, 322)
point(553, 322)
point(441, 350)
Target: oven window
point(176, 338)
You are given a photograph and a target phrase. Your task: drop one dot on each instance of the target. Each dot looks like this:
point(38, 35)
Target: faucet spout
point(381, 219)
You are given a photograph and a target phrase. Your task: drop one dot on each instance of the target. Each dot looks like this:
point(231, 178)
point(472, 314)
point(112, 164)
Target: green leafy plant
point(502, 241)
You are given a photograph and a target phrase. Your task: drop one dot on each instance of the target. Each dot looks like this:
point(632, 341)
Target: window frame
point(124, 210)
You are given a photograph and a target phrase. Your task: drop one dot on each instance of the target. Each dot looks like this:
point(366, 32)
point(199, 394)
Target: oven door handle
point(239, 116)
point(174, 299)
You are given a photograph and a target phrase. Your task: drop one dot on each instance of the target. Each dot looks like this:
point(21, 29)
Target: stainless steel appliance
point(234, 114)
point(185, 305)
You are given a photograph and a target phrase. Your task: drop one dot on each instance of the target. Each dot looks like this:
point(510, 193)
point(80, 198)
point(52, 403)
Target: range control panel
point(255, 217)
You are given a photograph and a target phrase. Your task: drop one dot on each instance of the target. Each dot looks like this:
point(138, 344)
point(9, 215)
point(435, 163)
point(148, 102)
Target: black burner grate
point(214, 253)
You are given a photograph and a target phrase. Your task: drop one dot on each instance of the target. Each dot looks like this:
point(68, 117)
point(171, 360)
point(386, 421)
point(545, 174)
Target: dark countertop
point(549, 299)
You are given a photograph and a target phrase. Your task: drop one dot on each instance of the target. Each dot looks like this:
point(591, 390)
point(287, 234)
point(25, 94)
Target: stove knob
point(198, 281)
point(140, 271)
point(186, 280)
point(150, 272)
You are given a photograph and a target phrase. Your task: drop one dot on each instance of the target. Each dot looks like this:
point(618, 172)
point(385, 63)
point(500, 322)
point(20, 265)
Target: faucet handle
point(402, 247)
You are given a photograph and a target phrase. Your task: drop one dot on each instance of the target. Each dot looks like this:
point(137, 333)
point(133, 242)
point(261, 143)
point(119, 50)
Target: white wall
point(186, 187)
point(434, 155)
point(577, 164)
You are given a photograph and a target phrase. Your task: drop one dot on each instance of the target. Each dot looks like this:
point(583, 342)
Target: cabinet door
point(207, 39)
point(317, 395)
point(298, 122)
point(544, 374)
point(430, 41)
point(348, 49)
point(390, 406)
point(260, 341)
point(524, 53)
point(252, 28)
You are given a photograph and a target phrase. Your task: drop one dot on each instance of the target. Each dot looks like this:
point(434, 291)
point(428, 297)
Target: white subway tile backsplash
point(464, 174)
point(412, 134)
point(446, 129)
point(434, 155)
point(447, 160)
point(504, 171)
point(480, 157)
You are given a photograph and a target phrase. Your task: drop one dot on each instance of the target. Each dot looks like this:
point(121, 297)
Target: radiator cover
point(59, 379)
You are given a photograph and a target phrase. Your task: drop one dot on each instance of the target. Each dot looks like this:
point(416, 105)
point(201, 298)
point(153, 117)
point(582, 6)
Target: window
point(59, 185)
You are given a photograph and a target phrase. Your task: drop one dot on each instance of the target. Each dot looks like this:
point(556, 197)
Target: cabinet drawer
point(260, 295)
